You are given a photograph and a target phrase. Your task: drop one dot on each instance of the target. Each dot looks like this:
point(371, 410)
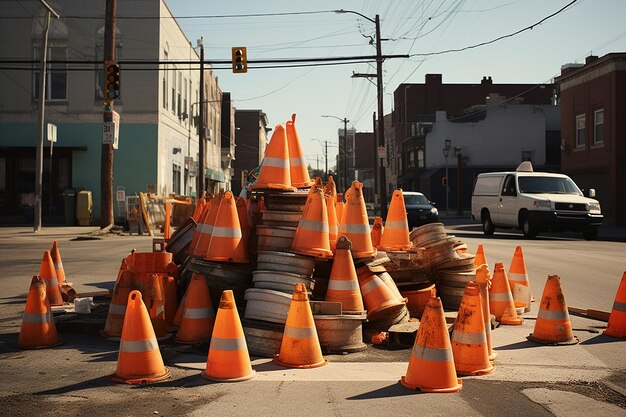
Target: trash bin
point(69, 201)
point(84, 208)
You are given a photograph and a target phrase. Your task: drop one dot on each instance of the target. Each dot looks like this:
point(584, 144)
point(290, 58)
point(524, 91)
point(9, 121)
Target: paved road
point(529, 380)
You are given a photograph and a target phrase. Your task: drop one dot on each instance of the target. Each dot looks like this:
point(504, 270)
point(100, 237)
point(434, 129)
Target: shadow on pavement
point(394, 390)
point(526, 344)
point(601, 339)
point(99, 382)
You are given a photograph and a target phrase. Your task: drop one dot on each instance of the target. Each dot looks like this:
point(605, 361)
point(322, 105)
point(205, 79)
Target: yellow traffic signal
point(240, 60)
point(112, 81)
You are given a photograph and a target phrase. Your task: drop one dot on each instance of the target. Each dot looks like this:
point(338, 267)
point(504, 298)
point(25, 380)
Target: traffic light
point(112, 87)
point(240, 60)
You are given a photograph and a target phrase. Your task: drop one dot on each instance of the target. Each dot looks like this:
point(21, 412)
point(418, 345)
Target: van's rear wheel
point(488, 227)
point(528, 229)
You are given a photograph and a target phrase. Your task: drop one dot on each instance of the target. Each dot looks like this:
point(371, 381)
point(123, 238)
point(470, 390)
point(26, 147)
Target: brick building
point(593, 97)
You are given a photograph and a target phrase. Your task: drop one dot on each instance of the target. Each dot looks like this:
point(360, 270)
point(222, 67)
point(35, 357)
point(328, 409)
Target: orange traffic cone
point(330, 195)
point(343, 285)
point(49, 275)
point(484, 281)
point(481, 258)
point(396, 235)
point(275, 172)
point(469, 341)
point(199, 228)
point(500, 298)
point(617, 319)
point(340, 208)
point(242, 215)
point(198, 209)
point(38, 330)
point(379, 300)
point(117, 309)
point(431, 366)
point(227, 241)
point(167, 229)
point(58, 263)
point(518, 276)
point(355, 224)
point(171, 300)
point(178, 318)
point(208, 223)
point(391, 284)
point(297, 166)
point(198, 316)
point(154, 299)
point(228, 359)
point(553, 325)
point(377, 231)
point(312, 234)
point(300, 347)
point(139, 360)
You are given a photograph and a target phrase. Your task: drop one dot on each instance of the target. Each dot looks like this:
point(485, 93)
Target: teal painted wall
point(135, 162)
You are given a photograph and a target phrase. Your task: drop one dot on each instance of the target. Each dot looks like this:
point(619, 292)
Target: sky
point(407, 27)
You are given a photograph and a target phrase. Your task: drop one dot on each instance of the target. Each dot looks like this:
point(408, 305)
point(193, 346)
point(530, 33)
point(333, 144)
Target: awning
point(214, 175)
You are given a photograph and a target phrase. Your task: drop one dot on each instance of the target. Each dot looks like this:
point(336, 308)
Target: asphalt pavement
point(529, 379)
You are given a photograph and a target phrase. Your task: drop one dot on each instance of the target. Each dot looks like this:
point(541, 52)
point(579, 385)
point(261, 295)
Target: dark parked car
point(419, 209)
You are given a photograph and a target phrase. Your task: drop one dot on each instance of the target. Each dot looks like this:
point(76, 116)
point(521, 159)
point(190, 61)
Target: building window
point(580, 131)
point(180, 88)
point(174, 92)
point(165, 77)
point(56, 74)
point(185, 84)
point(420, 158)
point(598, 127)
point(411, 163)
point(176, 179)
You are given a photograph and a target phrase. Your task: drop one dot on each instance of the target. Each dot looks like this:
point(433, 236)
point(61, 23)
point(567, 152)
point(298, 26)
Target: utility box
point(84, 208)
point(69, 201)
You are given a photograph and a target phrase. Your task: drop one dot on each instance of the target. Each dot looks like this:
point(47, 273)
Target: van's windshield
point(415, 200)
point(547, 185)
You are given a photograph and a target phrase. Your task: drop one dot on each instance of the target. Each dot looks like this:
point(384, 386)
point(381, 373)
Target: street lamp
point(446, 153)
point(459, 187)
point(381, 115)
point(345, 153)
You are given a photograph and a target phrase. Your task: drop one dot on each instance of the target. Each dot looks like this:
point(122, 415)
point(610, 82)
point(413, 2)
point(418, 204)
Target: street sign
point(188, 161)
point(52, 132)
point(382, 152)
point(193, 169)
point(111, 129)
point(120, 194)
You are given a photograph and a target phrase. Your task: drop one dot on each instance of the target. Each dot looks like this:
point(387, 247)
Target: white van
point(534, 202)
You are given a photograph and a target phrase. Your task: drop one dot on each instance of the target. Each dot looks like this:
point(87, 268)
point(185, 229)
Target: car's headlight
point(541, 204)
point(593, 206)
point(434, 210)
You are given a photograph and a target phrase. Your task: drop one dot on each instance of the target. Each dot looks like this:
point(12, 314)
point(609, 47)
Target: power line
point(500, 37)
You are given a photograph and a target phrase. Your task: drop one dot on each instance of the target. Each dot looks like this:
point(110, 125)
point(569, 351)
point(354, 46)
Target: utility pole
point(382, 180)
point(40, 116)
point(345, 153)
point(201, 159)
point(459, 187)
point(375, 160)
point(326, 158)
point(106, 158)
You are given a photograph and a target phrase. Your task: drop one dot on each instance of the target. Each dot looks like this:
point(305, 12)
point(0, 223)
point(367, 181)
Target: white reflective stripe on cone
point(51, 281)
point(58, 265)
point(343, 285)
point(297, 162)
point(199, 313)
point(135, 346)
point(397, 224)
point(306, 224)
point(299, 332)
point(371, 285)
point(37, 318)
point(275, 162)
point(500, 296)
point(226, 232)
point(512, 276)
point(218, 343)
point(432, 354)
point(618, 306)
point(357, 229)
